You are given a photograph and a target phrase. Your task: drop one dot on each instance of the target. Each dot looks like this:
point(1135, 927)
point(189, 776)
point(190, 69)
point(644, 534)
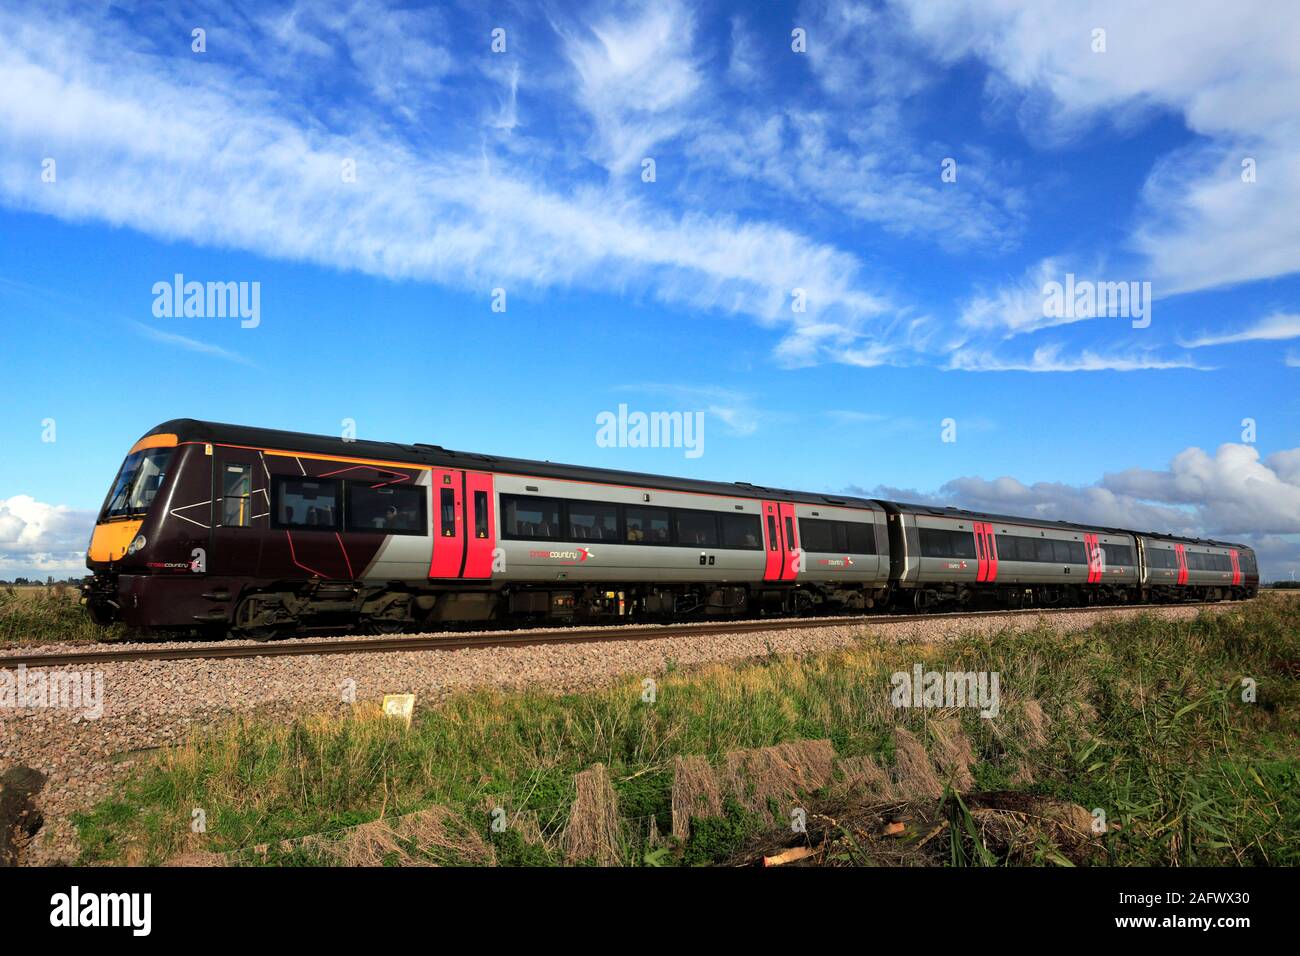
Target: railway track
point(461, 641)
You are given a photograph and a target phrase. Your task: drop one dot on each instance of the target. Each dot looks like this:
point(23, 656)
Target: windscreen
point(137, 483)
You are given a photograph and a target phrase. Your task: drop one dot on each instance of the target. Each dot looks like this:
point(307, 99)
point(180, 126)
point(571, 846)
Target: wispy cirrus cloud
point(190, 344)
point(1052, 358)
point(1230, 73)
point(230, 167)
point(1275, 328)
point(736, 409)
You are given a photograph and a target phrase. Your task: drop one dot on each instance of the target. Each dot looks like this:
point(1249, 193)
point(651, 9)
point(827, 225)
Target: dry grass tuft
point(593, 830)
point(696, 793)
point(1035, 723)
point(780, 773)
point(861, 778)
point(197, 859)
point(953, 753)
point(1023, 775)
point(409, 840)
point(913, 773)
point(1019, 828)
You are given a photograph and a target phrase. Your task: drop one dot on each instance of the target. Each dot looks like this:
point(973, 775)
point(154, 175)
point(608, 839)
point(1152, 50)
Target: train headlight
point(137, 544)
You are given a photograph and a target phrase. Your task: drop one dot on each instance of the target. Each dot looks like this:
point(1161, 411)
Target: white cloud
point(1232, 491)
point(1016, 308)
point(139, 144)
point(735, 409)
point(634, 74)
point(397, 54)
point(1048, 358)
point(1229, 70)
point(189, 344)
point(42, 539)
point(742, 65)
point(1277, 327)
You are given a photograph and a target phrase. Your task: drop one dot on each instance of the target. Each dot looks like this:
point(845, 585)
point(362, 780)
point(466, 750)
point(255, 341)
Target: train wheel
point(256, 620)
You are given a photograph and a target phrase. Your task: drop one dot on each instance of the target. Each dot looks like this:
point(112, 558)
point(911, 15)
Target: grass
point(1144, 720)
point(48, 615)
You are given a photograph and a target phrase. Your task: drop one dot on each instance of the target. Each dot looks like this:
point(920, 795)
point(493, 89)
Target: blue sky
point(779, 175)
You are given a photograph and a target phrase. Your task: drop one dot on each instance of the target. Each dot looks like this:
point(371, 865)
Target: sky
point(839, 233)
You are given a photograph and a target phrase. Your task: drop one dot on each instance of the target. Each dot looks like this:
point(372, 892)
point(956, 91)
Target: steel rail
point(425, 642)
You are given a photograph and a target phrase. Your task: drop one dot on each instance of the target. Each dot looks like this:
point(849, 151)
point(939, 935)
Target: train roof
point(188, 429)
point(950, 512)
point(419, 453)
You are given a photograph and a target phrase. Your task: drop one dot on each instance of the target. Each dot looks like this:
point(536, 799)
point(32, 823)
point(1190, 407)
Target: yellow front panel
point(110, 540)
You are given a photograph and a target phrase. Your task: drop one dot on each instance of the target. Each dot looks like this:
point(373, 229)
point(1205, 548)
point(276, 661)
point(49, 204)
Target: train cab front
point(131, 543)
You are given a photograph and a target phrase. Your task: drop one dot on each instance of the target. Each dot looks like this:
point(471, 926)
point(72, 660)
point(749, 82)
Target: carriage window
point(963, 543)
point(940, 543)
point(394, 509)
point(528, 517)
point(861, 538)
point(311, 503)
point(741, 531)
point(771, 533)
point(593, 521)
point(1118, 554)
point(696, 529)
point(1016, 548)
point(789, 533)
point(646, 525)
point(934, 543)
point(236, 495)
point(480, 514)
point(817, 534)
point(1077, 555)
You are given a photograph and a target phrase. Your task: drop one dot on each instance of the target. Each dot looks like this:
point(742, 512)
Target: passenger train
point(254, 532)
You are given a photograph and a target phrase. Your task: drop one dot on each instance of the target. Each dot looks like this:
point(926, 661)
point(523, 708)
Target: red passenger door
point(790, 531)
point(481, 526)
point(448, 523)
point(773, 541)
point(1180, 551)
point(986, 552)
point(1096, 559)
point(1236, 567)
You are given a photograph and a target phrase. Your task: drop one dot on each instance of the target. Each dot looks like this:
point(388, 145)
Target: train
point(250, 532)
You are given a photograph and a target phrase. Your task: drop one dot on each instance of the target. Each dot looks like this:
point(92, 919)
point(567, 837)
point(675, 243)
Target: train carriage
point(1196, 569)
point(950, 556)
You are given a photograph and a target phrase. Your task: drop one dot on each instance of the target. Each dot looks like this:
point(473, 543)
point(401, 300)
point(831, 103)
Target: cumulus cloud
point(40, 539)
point(1233, 491)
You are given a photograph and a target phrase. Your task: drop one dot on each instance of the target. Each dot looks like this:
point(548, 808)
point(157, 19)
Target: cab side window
point(236, 495)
